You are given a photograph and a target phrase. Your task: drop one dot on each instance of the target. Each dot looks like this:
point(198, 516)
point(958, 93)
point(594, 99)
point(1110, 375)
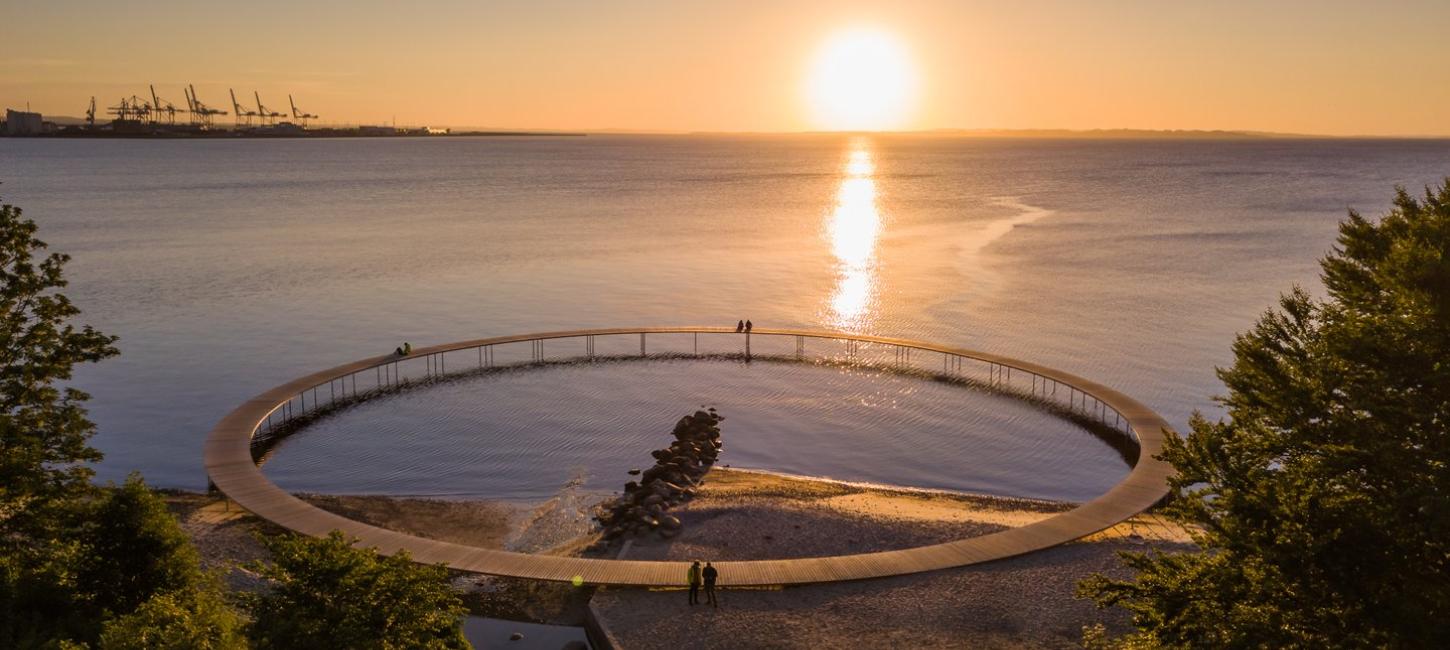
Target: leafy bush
point(327, 594)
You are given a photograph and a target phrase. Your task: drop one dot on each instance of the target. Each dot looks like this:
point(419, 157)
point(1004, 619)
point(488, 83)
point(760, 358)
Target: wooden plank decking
point(229, 465)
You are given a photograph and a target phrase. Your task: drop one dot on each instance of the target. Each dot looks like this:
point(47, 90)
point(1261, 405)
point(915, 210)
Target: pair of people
point(404, 350)
point(695, 576)
point(744, 326)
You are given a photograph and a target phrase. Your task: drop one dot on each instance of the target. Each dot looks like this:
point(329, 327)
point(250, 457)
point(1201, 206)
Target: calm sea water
point(230, 266)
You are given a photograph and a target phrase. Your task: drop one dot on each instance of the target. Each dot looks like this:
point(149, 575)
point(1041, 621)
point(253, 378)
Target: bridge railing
point(361, 381)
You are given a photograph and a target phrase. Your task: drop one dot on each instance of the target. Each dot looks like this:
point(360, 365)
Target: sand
point(1020, 602)
point(226, 537)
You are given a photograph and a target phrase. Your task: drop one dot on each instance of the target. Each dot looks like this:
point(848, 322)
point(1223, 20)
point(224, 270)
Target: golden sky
point(1326, 67)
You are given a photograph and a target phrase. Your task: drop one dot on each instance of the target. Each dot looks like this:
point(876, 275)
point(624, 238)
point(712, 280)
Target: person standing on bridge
point(710, 575)
point(739, 326)
point(692, 577)
point(748, 325)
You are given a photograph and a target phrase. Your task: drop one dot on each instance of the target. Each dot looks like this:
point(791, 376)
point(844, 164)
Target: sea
point(230, 266)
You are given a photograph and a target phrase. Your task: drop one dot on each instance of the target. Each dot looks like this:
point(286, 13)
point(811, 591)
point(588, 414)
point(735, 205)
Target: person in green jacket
point(692, 577)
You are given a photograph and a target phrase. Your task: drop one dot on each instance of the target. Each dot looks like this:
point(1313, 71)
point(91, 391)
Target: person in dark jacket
point(749, 325)
point(710, 575)
point(740, 326)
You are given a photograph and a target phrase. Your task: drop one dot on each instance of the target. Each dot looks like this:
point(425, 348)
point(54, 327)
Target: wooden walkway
point(229, 465)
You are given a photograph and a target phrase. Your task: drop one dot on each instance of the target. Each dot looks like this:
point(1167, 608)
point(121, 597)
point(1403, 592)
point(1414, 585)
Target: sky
point(1325, 67)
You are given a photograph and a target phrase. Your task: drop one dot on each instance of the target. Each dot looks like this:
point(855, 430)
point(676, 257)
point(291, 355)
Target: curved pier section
point(229, 463)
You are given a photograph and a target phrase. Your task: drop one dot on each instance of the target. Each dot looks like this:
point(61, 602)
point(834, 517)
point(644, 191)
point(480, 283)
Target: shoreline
point(1025, 601)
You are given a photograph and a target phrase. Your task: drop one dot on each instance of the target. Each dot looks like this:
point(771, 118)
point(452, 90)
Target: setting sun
point(861, 80)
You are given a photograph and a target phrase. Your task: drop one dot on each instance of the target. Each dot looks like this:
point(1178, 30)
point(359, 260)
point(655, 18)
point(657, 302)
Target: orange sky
point(1322, 67)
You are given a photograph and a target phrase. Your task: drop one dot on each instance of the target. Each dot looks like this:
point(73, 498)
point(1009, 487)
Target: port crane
point(243, 118)
point(131, 108)
point(201, 114)
point(299, 115)
point(161, 107)
point(91, 114)
point(266, 116)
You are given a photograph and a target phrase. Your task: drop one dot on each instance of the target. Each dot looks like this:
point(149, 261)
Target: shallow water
point(230, 266)
point(522, 433)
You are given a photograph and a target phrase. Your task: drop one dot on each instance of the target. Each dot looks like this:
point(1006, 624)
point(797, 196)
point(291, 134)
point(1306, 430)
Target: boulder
point(640, 510)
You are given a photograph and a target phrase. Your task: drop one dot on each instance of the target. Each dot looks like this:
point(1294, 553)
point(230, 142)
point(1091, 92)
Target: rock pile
point(641, 510)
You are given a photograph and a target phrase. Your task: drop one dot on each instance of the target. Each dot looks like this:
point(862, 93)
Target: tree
point(73, 557)
point(134, 550)
point(176, 621)
point(43, 438)
point(1322, 503)
point(327, 594)
point(43, 427)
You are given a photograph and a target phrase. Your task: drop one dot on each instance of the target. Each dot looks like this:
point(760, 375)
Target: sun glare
point(861, 80)
point(853, 229)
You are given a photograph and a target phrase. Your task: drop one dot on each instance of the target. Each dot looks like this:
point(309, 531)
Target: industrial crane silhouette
point(131, 109)
point(91, 114)
point(299, 115)
point(201, 114)
point(243, 118)
point(267, 116)
point(161, 107)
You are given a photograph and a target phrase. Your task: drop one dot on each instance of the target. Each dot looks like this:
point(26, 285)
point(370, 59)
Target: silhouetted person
point(748, 325)
point(740, 326)
point(693, 578)
point(710, 574)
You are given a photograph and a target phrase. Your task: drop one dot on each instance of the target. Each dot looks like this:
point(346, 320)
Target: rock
point(670, 481)
point(516, 636)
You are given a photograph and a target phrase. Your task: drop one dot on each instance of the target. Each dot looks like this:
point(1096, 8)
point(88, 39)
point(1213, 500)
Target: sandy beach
point(1024, 602)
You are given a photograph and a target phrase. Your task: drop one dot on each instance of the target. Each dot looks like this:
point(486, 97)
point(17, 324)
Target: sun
point(861, 80)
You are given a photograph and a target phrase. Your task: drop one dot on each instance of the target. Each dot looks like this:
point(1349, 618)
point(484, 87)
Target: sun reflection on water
point(853, 228)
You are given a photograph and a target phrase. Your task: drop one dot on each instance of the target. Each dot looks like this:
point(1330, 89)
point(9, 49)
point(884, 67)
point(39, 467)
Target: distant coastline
point(228, 134)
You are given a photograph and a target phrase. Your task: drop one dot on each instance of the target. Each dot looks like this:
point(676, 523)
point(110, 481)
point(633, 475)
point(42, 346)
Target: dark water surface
point(230, 266)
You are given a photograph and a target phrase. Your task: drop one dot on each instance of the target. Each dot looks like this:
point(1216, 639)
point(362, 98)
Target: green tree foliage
point(1322, 503)
point(176, 621)
point(43, 427)
point(327, 594)
point(73, 556)
point(127, 566)
point(43, 438)
point(134, 549)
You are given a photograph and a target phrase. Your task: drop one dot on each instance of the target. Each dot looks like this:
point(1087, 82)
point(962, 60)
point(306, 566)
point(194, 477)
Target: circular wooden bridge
point(233, 471)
